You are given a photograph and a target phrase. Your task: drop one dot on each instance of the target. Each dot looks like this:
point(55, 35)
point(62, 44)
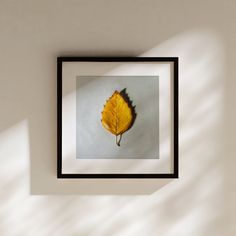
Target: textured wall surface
point(201, 33)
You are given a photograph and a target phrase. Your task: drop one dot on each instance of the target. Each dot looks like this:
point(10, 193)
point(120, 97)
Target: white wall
point(201, 33)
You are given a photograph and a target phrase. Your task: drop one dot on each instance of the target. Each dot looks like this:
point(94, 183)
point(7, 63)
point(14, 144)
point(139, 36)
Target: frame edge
point(62, 59)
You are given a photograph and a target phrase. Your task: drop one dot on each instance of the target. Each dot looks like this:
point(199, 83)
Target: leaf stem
point(118, 141)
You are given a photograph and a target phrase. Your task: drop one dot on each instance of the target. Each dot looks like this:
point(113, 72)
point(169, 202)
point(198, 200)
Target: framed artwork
point(117, 117)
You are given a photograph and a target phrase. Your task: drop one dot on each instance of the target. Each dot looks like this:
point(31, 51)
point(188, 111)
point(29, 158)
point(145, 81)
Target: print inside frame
point(86, 149)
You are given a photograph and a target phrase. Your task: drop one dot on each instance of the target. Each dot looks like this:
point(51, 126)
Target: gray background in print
point(93, 141)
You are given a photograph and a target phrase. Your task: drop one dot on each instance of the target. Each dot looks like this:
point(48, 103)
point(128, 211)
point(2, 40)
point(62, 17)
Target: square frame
point(175, 121)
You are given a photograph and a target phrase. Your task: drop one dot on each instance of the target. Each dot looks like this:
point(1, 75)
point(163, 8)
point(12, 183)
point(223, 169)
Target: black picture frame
point(173, 60)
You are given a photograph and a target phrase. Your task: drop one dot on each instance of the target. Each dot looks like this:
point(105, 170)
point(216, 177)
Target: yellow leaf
point(118, 115)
